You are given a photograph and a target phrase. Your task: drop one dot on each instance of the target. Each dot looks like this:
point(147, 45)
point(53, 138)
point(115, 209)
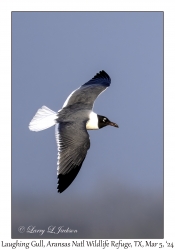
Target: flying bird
point(71, 125)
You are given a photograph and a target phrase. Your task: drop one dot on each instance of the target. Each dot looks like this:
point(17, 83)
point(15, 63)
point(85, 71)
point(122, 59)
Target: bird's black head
point(104, 121)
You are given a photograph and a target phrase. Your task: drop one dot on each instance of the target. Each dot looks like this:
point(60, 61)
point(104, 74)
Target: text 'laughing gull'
point(71, 125)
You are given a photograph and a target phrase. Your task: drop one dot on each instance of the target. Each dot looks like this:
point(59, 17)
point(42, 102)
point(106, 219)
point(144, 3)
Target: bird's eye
point(104, 119)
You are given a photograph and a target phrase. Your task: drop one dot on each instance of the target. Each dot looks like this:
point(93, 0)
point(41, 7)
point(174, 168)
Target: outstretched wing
point(73, 143)
point(89, 91)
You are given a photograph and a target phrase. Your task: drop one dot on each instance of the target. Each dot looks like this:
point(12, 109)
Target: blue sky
point(119, 190)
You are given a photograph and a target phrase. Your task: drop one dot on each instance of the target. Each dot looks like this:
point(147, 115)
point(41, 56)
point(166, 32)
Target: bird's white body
point(92, 123)
point(46, 118)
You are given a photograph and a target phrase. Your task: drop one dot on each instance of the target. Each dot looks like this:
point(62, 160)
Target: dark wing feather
point(89, 91)
point(100, 78)
point(73, 143)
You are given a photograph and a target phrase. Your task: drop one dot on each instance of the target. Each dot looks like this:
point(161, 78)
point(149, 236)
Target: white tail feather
point(43, 119)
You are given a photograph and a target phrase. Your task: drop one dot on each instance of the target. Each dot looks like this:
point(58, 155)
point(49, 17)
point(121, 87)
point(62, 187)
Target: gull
point(71, 125)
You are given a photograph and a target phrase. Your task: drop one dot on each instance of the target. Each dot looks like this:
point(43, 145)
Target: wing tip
point(63, 183)
point(65, 180)
point(61, 187)
point(102, 74)
point(59, 191)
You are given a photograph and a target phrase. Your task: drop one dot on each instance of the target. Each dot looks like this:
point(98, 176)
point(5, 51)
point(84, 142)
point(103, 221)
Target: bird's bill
point(113, 124)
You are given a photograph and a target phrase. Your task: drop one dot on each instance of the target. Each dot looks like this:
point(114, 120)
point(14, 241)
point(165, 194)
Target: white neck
point(92, 123)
